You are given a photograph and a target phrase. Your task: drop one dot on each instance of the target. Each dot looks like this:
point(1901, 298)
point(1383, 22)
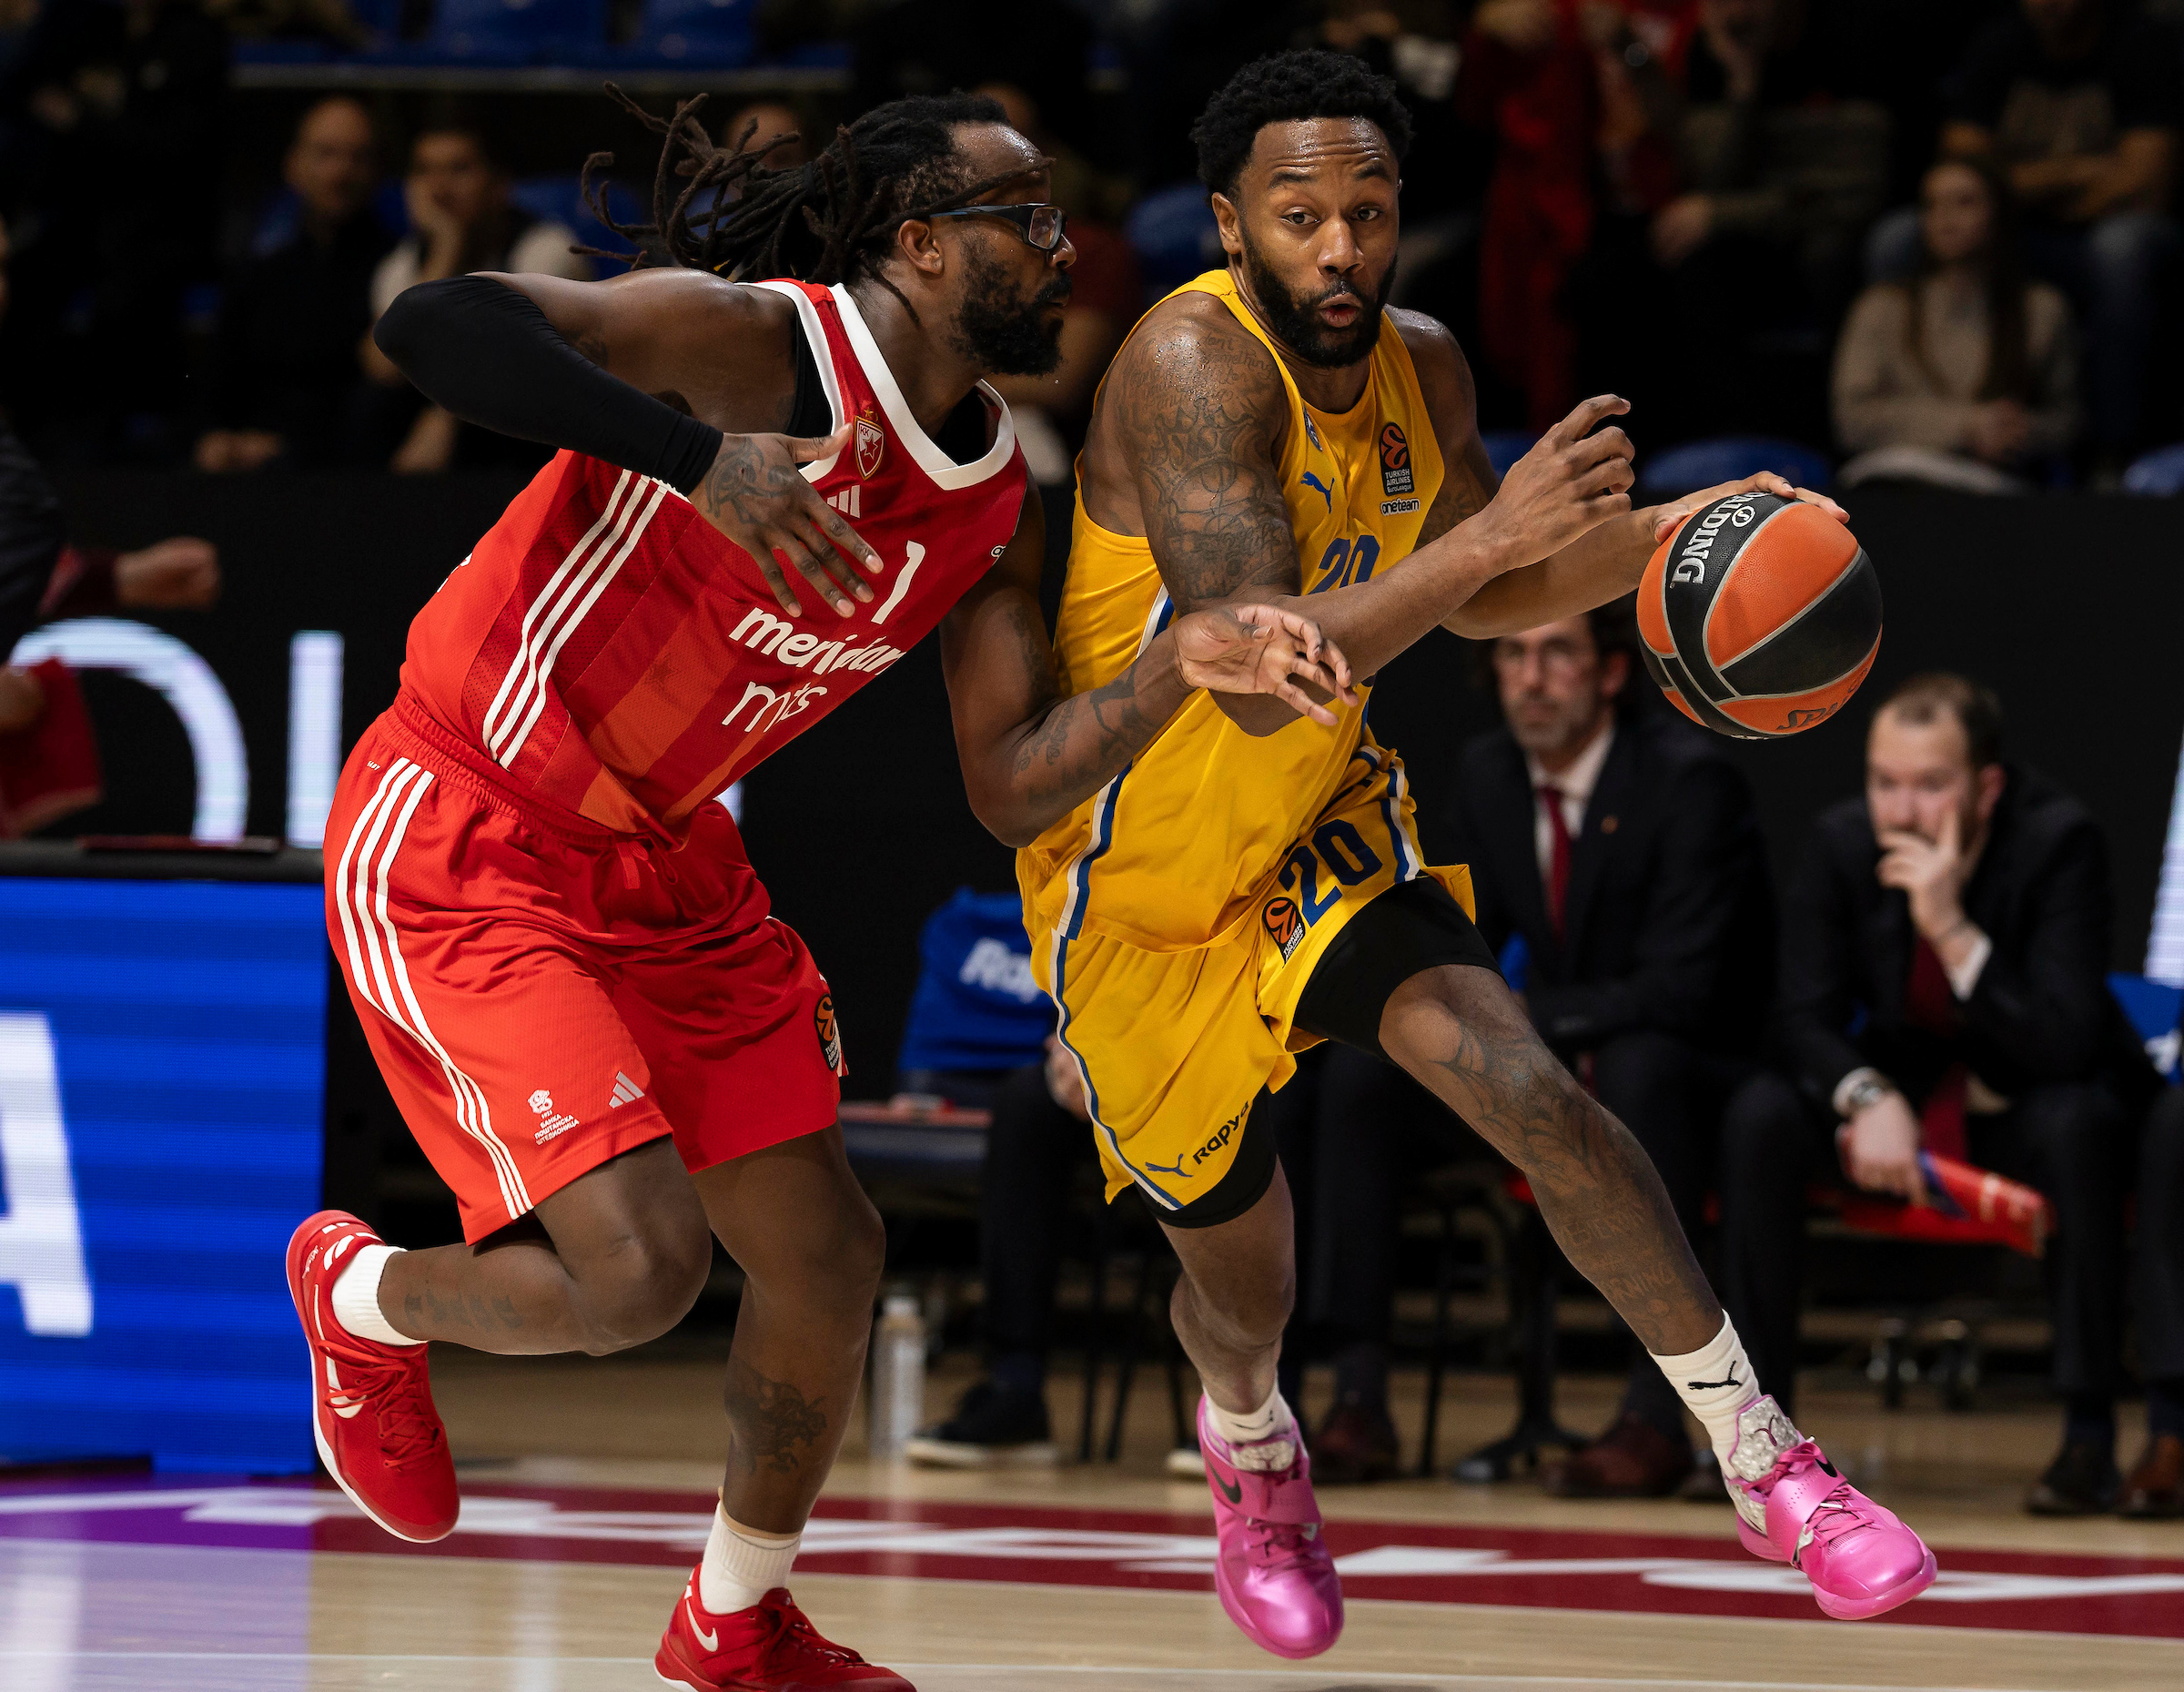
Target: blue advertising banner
point(162, 1083)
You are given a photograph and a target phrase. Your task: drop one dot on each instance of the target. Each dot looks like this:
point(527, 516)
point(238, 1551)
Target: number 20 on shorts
point(1337, 846)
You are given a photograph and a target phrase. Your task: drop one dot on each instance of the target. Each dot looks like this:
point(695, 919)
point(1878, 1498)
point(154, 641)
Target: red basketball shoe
point(372, 1404)
point(770, 1647)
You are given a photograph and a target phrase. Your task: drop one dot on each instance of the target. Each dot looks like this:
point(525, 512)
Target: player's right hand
point(755, 494)
point(1573, 480)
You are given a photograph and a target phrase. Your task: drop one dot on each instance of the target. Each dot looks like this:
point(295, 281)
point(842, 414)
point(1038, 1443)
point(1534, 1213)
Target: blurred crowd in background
point(1924, 239)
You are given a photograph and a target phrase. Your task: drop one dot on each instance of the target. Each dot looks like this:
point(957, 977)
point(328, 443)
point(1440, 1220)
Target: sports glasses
point(1040, 226)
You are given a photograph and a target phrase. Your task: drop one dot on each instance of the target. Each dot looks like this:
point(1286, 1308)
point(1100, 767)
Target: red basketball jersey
point(612, 651)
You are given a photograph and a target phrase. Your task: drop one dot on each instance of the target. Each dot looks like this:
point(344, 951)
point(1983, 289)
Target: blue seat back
point(1730, 458)
point(1173, 232)
point(1504, 447)
point(561, 199)
point(2155, 1009)
point(517, 30)
point(691, 32)
point(976, 1006)
point(2159, 474)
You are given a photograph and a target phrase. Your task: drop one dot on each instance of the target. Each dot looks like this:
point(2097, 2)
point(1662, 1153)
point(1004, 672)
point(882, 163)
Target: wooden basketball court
point(588, 1488)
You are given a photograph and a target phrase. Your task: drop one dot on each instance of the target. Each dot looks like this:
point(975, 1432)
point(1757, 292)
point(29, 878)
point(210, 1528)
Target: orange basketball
point(1759, 616)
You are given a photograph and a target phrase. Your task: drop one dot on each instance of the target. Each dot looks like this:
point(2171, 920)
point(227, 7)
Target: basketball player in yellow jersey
point(1252, 882)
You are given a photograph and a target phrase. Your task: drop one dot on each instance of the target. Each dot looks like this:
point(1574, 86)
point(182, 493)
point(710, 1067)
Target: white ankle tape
point(1715, 1383)
point(742, 1565)
point(355, 1297)
point(1251, 1429)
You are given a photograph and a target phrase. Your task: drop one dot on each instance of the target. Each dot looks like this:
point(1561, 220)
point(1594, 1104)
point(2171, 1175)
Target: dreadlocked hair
point(833, 219)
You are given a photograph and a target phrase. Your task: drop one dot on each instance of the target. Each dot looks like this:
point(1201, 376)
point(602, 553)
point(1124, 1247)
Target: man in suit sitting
point(1621, 847)
point(1944, 984)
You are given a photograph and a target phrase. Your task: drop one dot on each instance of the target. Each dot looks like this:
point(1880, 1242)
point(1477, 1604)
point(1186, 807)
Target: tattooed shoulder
point(1200, 411)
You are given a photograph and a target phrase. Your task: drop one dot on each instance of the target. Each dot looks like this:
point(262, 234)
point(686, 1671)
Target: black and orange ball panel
point(1759, 616)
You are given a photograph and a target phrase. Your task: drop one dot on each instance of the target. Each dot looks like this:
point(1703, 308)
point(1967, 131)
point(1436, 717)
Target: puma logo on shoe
point(711, 1641)
point(1233, 1491)
point(1708, 1386)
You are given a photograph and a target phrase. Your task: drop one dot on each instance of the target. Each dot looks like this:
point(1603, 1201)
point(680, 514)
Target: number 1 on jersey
point(902, 582)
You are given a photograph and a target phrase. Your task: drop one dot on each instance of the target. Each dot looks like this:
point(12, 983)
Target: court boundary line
point(1403, 1678)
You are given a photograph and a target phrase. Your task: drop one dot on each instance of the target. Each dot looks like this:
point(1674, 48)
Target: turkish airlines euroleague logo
point(829, 1032)
point(1395, 460)
point(1285, 922)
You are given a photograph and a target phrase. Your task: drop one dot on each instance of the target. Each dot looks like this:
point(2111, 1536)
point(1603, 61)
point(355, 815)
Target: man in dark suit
point(1623, 848)
point(1620, 848)
point(1943, 985)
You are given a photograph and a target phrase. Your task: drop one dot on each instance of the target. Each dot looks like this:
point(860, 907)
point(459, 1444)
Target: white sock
point(1269, 1420)
point(1716, 1383)
point(741, 1565)
point(357, 1297)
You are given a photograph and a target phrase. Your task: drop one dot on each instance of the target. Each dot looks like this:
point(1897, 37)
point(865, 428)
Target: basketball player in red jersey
point(564, 964)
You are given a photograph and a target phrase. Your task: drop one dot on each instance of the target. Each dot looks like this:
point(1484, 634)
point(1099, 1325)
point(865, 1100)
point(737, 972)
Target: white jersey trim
point(565, 600)
point(944, 472)
point(823, 355)
point(360, 897)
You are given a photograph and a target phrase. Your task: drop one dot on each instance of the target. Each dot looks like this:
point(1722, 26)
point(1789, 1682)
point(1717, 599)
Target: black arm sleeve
point(489, 355)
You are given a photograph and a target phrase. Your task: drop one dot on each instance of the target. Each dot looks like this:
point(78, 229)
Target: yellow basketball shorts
point(1175, 1046)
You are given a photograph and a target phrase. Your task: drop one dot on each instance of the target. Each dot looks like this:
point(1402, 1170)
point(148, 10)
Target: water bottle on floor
point(898, 1376)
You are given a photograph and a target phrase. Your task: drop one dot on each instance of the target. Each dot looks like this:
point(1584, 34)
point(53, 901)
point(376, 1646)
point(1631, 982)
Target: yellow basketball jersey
point(1171, 854)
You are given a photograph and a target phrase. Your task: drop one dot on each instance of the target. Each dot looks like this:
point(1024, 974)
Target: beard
point(1001, 330)
point(1293, 320)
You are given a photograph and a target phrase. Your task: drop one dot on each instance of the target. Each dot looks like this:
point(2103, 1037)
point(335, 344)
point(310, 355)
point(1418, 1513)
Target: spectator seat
point(2155, 1009)
point(518, 32)
point(714, 32)
point(1730, 458)
point(1504, 447)
point(1173, 232)
point(976, 1011)
point(2159, 474)
point(561, 199)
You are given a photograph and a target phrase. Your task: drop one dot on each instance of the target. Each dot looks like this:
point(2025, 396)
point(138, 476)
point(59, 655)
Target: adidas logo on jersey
point(846, 501)
point(625, 1090)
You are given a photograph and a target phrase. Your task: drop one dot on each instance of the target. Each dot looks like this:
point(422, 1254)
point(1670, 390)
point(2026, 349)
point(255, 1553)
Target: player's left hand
point(1254, 648)
point(1666, 517)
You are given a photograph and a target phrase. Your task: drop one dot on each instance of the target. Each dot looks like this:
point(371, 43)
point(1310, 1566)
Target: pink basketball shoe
point(1792, 1507)
point(1274, 1575)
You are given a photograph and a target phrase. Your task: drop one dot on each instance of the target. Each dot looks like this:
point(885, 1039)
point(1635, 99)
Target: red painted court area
point(1657, 1574)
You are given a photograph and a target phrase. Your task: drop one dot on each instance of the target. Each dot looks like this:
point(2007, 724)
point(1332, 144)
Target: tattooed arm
point(1030, 756)
point(1194, 410)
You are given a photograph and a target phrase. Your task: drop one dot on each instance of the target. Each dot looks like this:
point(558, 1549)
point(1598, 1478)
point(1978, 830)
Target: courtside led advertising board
point(162, 1082)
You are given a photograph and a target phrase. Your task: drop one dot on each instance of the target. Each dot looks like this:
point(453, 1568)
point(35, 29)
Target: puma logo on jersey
point(1319, 487)
point(846, 501)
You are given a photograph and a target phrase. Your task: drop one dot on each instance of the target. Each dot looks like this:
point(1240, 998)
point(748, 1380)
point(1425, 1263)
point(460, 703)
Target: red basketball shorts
point(543, 996)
